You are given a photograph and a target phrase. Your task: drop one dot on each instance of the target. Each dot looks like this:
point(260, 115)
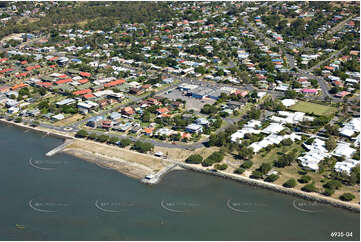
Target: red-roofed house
point(17, 86)
point(85, 74)
point(128, 111)
point(354, 52)
point(330, 68)
point(146, 86)
point(162, 110)
point(114, 83)
point(342, 94)
point(29, 68)
point(44, 84)
point(351, 23)
point(148, 131)
point(186, 135)
point(88, 96)
point(81, 92)
point(53, 58)
point(243, 94)
point(6, 70)
point(22, 74)
point(338, 83)
point(63, 76)
point(106, 124)
point(63, 81)
point(310, 91)
point(82, 81)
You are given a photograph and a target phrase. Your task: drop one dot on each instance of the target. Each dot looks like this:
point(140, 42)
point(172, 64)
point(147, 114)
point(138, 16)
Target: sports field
point(313, 108)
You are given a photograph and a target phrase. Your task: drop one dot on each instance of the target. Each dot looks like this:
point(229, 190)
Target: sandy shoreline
point(130, 169)
point(137, 165)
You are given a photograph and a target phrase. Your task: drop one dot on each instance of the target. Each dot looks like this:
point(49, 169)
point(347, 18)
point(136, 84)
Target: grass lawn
point(69, 120)
point(313, 108)
point(274, 154)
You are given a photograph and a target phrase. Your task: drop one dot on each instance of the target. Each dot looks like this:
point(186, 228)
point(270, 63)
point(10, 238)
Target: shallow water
point(65, 198)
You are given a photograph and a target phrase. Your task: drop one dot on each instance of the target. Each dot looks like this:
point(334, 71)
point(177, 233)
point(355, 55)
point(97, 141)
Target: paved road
point(307, 73)
point(337, 27)
point(75, 125)
point(334, 55)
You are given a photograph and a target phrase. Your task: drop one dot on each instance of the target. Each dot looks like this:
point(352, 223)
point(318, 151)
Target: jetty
point(59, 148)
point(155, 178)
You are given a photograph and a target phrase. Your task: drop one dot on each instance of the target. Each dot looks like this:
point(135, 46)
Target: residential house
point(128, 111)
point(194, 128)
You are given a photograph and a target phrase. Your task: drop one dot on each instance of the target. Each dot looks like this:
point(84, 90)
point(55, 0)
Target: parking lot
point(191, 103)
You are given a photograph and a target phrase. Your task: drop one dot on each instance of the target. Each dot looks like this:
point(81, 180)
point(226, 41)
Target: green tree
point(194, 159)
point(245, 153)
point(304, 179)
point(142, 147)
point(272, 178)
point(309, 188)
point(215, 157)
point(265, 168)
point(247, 164)
point(113, 140)
point(102, 138)
point(146, 117)
point(221, 166)
point(347, 197)
point(290, 183)
point(256, 174)
point(331, 143)
point(333, 184)
point(124, 142)
point(239, 171)
point(92, 136)
point(81, 133)
point(328, 192)
point(355, 175)
point(18, 120)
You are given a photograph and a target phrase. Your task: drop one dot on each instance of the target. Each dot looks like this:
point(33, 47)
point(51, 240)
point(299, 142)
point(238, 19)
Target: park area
point(313, 108)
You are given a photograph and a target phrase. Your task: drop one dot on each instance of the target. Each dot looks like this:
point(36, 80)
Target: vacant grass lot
point(313, 108)
point(69, 120)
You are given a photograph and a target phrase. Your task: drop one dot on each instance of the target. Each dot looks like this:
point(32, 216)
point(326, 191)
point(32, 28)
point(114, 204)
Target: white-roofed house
point(346, 166)
point(289, 102)
point(344, 149)
point(316, 153)
point(273, 128)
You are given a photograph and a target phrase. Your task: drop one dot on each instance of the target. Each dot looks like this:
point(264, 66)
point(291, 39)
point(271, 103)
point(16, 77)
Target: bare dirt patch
point(125, 161)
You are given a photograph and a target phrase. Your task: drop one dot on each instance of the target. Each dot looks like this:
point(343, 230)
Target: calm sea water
point(65, 198)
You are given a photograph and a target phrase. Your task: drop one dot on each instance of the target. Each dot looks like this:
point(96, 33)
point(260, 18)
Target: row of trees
point(142, 147)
